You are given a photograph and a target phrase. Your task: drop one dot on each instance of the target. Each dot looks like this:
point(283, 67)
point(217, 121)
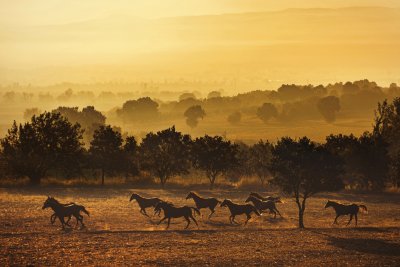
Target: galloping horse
point(264, 205)
point(267, 198)
point(62, 211)
point(145, 202)
point(342, 209)
point(202, 203)
point(238, 209)
point(170, 211)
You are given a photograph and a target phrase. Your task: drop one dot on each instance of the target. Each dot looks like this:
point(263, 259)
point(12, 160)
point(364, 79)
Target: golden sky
point(51, 41)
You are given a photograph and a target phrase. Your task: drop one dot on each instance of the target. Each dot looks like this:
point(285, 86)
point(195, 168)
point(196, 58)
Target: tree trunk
point(301, 220)
point(102, 176)
point(212, 181)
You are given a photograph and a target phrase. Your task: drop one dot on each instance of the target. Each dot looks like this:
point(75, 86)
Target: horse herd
point(258, 206)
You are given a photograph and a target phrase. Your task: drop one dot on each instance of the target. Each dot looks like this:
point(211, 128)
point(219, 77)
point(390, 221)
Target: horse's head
point(328, 204)
point(47, 203)
point(250, 198)
point(190, 195)
point(133, 196)
point(225, 203)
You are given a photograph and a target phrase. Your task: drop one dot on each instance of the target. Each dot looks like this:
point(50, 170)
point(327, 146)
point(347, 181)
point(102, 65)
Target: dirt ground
point(117, 234)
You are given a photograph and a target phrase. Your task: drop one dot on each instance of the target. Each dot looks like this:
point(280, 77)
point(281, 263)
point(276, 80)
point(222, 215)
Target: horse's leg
point(212, 212)
point(169, 220)
point(191, 216)
point(230, 219)
point(145, 213)
point(53, 218)
point(248, 218)
point(233, 219)
point(278, 212)
point(81, 219)
point(188, 221)
point(335, 221)
point(62, 221)
point(351, 218)
point(355, 216)
point(163, 219)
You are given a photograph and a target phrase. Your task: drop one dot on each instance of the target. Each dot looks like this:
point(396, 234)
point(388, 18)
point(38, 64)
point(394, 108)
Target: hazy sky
point(64, 11)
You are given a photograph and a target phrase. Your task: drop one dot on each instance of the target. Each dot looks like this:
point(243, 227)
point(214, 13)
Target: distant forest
point(71, 142)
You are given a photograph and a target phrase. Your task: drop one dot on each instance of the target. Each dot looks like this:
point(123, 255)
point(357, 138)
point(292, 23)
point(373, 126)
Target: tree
point(193, 114)
point(47, 141)
point(260, 158)
point(165, 154)
point(302, 168)
point(130, 150)
point(29, 112)
point(214, 156)
point(266, 112)
point(328, 107)
point(235, 118)
point(214, 94)
point(106, 150)
point(141, 109)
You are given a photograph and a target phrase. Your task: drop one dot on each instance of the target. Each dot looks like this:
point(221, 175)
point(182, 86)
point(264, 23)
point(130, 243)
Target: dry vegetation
point(117, 234)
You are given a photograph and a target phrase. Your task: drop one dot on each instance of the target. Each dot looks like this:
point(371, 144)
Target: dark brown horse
point(62, 211)
point(264, 205)
point(170, 211)
point(203, 203)
point(238, 209)
point(145, 202)
point(342, 209)
point(53, 217)
point(266, 198)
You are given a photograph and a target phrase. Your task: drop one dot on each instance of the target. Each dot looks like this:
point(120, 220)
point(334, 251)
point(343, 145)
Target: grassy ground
point(117, 234)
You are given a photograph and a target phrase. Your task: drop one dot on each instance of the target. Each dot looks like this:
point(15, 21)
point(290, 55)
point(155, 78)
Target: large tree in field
point(106, 151)
point(260, 158)
point(165, 154)
point(302, 168)
point(214, 155)
point(46, 142)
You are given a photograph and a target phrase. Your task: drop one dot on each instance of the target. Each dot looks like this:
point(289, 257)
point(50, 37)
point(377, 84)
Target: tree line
point(50, 144)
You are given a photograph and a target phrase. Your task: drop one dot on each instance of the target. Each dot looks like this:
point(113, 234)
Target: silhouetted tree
point(89, 118)
point(165, 154)
point(213, 94)
point(302, 168)
point(185, 96)
point(260, 158)
point(235, 118)
point(47, 141)
point(214, 156)
point(266, 112)
point(106, 150)
point(193, 114)
point(131, 150)
point(328, 107)
point(29, 112)
point(141, 109)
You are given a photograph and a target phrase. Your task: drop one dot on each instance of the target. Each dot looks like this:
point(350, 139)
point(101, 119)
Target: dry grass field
point(117, 234)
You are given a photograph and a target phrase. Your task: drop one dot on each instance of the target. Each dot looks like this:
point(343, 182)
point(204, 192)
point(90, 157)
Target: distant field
point(117, 234)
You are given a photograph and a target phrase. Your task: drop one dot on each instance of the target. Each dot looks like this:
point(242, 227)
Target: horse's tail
point(364, 208)
point(256, 211)
point(85, 211)
point(196, 210)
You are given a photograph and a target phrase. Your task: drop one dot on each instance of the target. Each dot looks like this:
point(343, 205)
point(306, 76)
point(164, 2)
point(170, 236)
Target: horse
point(342, 209)
point(267, 198)
point(238, 209)
point(145, 202)
point(53, 217)
point(170, 211)
point(264, 205)
point(62, 211)
point(202, 203)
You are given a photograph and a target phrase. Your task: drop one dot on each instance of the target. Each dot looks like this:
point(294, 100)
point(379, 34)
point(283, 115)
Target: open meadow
point(117, 234)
